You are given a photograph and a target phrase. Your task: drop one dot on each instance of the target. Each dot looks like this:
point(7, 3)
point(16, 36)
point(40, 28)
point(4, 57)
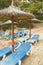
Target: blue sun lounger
point(16, 57)
point(23, 39)
point(6, 50)
point(16, 34)
point(34, 38)
point(1, 34)
point(23, 32)
point(7, 36)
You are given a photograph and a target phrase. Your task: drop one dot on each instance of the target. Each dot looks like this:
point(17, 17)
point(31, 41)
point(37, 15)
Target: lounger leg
point(4, 56)
point(31, 49)
point(36, 42)
point(14, 50)
point(19, 62)
point(29, 52)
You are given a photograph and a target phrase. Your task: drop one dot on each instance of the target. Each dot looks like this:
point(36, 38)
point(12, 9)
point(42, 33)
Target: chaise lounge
point(23, 39)
point(16, 57)
point(33, 39)
point(6, 50)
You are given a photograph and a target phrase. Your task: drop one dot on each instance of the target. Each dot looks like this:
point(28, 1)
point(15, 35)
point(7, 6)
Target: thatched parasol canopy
point(17, 13)
point(14, 13)
point(35, 20)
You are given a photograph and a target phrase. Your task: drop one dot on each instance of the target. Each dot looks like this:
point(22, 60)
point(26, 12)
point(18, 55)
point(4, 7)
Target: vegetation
point(33, 7)
point(23, 24)
point(4, 3)
point(40, 16)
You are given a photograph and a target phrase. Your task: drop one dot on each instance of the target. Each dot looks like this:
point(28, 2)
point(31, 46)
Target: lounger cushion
point(16, 34)
point(22, 39)
point(6, 50)
point(34, 38)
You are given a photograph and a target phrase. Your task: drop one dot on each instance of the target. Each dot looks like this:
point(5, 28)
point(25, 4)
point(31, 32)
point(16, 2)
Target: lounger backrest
point(2, 33)
point(16, 34)
point(35, 36)
point(7, 36)
point(23, 32)
point(24, 47)
point(26, 37)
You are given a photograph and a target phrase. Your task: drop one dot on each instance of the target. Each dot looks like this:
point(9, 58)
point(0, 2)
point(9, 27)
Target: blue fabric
point(36, 36)
point(26, 37)
point(22, 39)
point(6, 50)
point(10, 36)
point(7, 36)
point(16, 34)
point(23, 32)
point(2, 33)
point(17, 55)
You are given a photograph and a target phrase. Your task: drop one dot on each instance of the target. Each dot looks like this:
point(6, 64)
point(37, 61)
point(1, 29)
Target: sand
point(37, 52)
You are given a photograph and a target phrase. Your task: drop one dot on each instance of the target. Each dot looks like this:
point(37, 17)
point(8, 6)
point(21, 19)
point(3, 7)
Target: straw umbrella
point(32, 20)
point(35, 20)
point(9, 22)
point(14, 13)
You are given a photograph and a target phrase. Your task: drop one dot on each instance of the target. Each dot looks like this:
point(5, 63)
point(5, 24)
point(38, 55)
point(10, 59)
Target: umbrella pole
point(30, 30)
point(12, 27)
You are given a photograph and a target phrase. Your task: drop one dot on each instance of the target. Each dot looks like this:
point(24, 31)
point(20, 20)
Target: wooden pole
point(30, 30)
point(12, 27)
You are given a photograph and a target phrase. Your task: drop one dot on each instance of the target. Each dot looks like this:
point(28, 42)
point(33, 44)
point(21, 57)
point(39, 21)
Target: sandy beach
point(37, 52)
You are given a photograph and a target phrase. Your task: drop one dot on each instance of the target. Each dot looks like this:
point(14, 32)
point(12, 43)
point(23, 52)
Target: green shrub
point(40, 16)
point(24, 25)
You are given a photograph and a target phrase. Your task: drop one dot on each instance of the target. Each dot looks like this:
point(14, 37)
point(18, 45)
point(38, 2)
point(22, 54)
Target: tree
point(4, 3)
point(34, 7)
point(24, 5)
